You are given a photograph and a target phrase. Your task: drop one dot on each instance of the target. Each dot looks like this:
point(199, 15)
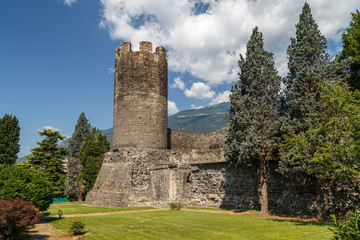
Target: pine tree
point(307, 67)
point(73, 183)
point(91, 156)
point(351, 50)
point(254, 117)
point(9, 139)
point(47, 158)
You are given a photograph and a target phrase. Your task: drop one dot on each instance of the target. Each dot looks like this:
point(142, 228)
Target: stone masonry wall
point(140, 97)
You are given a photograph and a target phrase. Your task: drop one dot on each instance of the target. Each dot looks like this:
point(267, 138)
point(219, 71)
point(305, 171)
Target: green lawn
point(169, 224)
point(80, 207)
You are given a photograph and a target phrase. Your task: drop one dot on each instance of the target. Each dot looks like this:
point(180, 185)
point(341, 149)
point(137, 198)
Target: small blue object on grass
point(58, 200)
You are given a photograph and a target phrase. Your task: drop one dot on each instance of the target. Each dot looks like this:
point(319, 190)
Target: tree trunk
point(319, 199)
point(263, 186)
point(78, 177)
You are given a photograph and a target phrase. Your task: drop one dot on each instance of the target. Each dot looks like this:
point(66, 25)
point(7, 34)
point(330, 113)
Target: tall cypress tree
point(307, 67)
point(73, 183)
point(48, 158)
point(254, 117)
point(9, 139)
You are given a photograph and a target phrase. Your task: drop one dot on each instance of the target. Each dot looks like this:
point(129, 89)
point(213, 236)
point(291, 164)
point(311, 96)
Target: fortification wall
point(185, 140)
point(157, 177)
point(140, 98)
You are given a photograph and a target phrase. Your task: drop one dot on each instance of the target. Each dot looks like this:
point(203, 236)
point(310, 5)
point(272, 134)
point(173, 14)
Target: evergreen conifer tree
point(307, 67)
point(351, 50)
point(47, 159)
point(91, 156)
point(9, 139)
point(73, 183)
point(254, 117)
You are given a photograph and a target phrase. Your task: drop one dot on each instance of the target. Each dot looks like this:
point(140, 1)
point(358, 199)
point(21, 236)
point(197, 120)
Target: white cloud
point(221, 97)
point(172, 109)
point(199, 90)
point(193, 106)
point(207, 45)
point(69, 2)
point(51, 128)
point(178, 83)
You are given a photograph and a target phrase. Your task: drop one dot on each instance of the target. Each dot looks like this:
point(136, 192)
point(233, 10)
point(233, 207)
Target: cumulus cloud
point(172, 109)
point(193, 106)
point(178, 83)
point(69, 2)
point(199, 90)
point(221, 97)
point(50, 128)
point(205, 37)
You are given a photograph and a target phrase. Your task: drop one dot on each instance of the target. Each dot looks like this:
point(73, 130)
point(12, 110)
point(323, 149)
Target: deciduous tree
point(91, 156)
point(351, 50)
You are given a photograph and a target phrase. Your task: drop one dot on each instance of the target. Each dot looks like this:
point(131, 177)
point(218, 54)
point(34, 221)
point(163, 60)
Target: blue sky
point(57, 56)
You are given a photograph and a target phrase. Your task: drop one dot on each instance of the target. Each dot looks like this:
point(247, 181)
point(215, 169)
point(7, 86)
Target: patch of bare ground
point(44, 230)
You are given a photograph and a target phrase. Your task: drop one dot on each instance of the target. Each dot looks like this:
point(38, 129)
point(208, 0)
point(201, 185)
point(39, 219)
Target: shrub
point(60, 213)
point(175, 205)
point(17, 182)
point(77, 228)
point(349, 228)
point(16, 216)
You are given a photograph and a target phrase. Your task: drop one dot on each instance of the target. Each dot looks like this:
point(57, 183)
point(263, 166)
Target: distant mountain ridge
point(204, 120)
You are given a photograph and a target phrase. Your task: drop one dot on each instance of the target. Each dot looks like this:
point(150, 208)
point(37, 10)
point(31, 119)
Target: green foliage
point(91, 156)
point(330, 150)
point(9, 139)
point(348, 229)
point(351, 49)
point(48, 159)
point(307, 66)
point(77, 228)
point(73, 183)
point(175, 205)
point(16, 182)
point(254, 118)
point(16, 217)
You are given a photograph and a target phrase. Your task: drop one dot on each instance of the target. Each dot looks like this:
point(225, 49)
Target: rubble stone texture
point(151, 165)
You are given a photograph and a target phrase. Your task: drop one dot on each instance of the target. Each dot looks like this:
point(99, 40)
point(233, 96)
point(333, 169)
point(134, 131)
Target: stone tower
point(140, 98)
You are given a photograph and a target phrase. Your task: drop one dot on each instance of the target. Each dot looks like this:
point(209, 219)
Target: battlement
point(144, 47)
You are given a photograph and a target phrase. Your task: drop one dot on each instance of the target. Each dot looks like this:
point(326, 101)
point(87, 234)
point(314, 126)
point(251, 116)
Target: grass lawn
point(80, 207)
point(169, 224)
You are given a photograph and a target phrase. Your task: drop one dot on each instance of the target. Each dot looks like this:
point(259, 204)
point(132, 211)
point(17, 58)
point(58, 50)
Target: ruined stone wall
point(185, 140)
point(198, 178)
point(140, 98)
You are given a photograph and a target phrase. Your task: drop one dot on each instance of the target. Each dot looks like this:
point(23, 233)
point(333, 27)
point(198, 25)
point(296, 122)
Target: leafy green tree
point(254, 117)
point(9, 139)
point(48, 159)
point(330, 150)
point(91, 156)
point(307, 67)
point(17, 182)
point(351, 50)
point(73, 183)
